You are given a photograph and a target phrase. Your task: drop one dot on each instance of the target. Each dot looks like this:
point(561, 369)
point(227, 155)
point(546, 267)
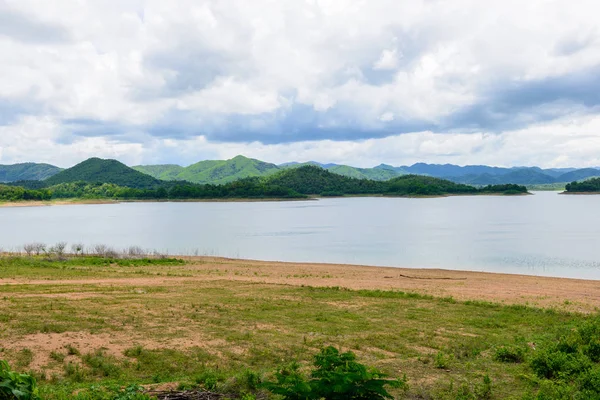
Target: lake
point(544, 234)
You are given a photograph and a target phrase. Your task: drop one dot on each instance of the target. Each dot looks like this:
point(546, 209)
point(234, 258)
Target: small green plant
point(335, 376)
point(484, 390)
point(14, 385)
point(56, 356)
point(74, 372)
point(509, 354)
point(290, 383)
point(441, 361)
point(72, 350)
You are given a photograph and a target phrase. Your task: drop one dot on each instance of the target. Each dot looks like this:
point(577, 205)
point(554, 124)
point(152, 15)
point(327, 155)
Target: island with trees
point(589, 186)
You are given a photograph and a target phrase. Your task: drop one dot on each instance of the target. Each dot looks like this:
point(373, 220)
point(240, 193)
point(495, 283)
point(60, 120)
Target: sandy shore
point(577, 294)
point(571, 294)
point(27, 203)
point(109, 201)
point(54, 203)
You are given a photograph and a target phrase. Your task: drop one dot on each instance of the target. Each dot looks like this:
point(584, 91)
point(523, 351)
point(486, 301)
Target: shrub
point(509, 354)
point(335, 376)
point(555, 364)
point(16, 386)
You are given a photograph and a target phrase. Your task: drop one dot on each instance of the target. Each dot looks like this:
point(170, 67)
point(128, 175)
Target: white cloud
point(570, 142)
point(387, 60)
point(131, 68)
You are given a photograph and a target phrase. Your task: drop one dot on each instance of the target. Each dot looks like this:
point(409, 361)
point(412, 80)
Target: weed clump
point(335, 376)
point(510, 354)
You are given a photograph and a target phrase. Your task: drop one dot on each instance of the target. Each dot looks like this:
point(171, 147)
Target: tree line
point(587, 186)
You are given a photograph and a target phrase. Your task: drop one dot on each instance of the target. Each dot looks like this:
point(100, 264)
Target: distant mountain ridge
point(211, 171)
point(225, 171)
point(27, 172)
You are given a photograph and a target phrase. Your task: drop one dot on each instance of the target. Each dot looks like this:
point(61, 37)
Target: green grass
point(210, 332)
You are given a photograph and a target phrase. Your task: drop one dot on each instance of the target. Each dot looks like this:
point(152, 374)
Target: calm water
point(544, 234)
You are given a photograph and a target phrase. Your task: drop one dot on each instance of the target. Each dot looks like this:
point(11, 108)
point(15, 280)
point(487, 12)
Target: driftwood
point(431, 277)
point(185, 395)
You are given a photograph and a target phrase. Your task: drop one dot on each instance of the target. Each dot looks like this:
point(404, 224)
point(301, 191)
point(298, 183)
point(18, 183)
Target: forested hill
point(313, 180)
point(211, 171)
point(588, 186)
point(104, 171)
point(27, 172)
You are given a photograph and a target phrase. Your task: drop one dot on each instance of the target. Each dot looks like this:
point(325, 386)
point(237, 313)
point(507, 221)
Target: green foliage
point(569, 367)
point(12, 193)
point(335, 376)
point(291, 384)
point(509, 188)
point(16, 386)
point(27, 172)
point(510, 354)
point(107, 392)
point(442, 361)
point(590, 185)
point(316, 180)
point(410, 185)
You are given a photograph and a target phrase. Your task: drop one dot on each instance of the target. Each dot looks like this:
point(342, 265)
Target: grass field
point(87, 323)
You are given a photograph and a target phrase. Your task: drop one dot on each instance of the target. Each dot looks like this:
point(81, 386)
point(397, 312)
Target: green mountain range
point(27, 172)
point(224, 171)
point(211, 171)
point(97, 178)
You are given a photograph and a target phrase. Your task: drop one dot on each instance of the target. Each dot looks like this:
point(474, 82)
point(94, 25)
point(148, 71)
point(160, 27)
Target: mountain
point(165, 172)
point(213, 171)
point(578, 175)
point(526, 176)
point(364, 173)
point(104, 171)
point(219, 172)
point(224, 171)
point(451, 170)
point(485, 175)
point(301, 164)
point(376, 174)
point(555, 172)
point(27, 172)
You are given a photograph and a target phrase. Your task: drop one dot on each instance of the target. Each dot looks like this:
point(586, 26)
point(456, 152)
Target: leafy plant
point(16, 386)
point(509, 354)
point(335, 376)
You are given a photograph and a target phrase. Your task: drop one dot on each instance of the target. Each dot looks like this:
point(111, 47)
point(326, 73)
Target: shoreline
point(63, 202)
point(580, 193)
point(59, 202)
point(579, 295)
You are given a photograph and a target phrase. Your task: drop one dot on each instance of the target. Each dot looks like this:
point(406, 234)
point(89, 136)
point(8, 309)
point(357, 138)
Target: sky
point(358, 82)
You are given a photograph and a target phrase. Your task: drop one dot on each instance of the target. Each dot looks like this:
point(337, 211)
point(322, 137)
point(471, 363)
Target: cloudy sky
point(361, 82)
